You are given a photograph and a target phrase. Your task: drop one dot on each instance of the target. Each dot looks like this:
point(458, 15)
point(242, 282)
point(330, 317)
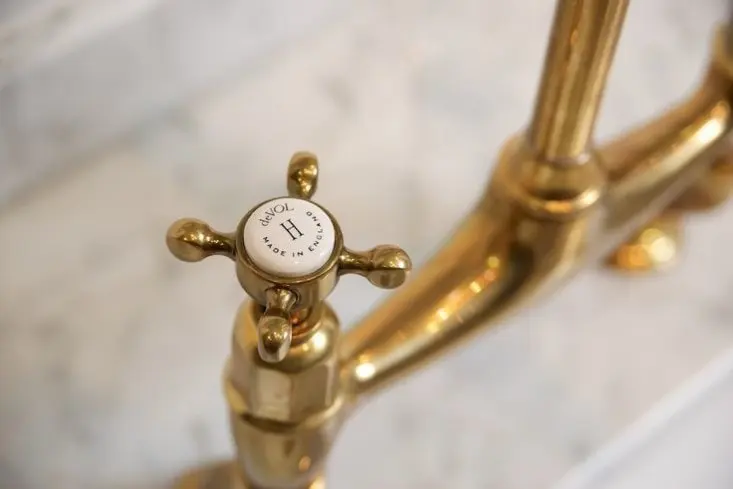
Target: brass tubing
point(511, 249)
point(652, 165)
point(582, 43)
point(527, 232)
point(454, 294)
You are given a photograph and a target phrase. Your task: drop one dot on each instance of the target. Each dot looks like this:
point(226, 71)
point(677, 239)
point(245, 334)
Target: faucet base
point(654, 248)
point(222, 475)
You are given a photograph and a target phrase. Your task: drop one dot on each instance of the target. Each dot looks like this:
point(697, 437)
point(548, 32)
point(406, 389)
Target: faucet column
point(282, 379)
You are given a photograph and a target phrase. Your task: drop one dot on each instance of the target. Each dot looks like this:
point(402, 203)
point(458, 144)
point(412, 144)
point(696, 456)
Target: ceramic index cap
point(289, 237)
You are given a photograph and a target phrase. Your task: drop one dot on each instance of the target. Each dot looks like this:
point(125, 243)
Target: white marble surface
point(111, 351)
point(77, 74)
point(683, 441)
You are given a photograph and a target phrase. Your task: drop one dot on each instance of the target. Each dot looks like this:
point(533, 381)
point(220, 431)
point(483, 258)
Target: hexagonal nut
point(302, 384)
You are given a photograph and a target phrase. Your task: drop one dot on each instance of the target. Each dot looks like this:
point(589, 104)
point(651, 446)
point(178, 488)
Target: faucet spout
point(507, 251)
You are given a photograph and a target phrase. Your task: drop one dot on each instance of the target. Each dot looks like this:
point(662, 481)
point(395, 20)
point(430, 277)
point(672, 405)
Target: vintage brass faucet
point(556, 201)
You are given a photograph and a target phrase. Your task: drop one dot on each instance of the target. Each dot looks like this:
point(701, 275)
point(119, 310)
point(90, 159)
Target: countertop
point(111, 351)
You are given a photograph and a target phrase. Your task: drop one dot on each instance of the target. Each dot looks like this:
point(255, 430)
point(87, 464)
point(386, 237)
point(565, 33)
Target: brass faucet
point(555, 202)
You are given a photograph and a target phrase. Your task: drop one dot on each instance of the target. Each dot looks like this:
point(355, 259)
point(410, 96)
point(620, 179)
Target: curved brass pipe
point(653, 165)
point(528, 231)
point(465, 284)
point(540, 220)
point(504, 253)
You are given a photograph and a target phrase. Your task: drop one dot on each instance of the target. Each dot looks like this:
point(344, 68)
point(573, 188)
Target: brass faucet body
point(288, 410)
point(555, 203)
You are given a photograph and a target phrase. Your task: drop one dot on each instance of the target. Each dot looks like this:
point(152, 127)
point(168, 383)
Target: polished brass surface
point(577, 61)
point(283, 297)
point(710, 191)
point(652, 249)
point(555, 203)
point(218, 476)
point(193, 240)
point(657, 245)
point(304, 383)
point(275, 330)
point(282, 382)
point(284, 415)
point(223, 475)
point(302, 175)
point(384, 266)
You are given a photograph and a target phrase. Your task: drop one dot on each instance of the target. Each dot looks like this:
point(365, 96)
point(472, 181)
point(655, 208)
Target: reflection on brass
point(556, 202)
point(275, 325)
point(384, 266)
point(653, 248)
point(283, 379)
point(192, 240)
point(303, 175)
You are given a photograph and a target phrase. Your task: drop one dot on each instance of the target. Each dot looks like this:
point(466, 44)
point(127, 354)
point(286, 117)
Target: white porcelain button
point(289, 237)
